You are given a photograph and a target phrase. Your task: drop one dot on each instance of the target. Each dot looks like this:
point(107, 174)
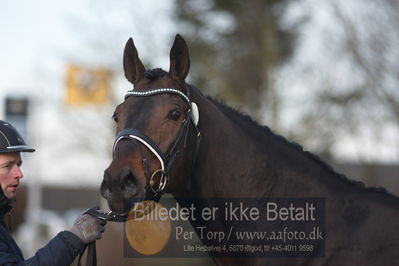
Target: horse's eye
point(115, 117)
point(174, 115)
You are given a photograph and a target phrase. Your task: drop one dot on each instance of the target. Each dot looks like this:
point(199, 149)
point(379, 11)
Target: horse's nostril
point(106, 193)
point(104, 190)
point(128, 180)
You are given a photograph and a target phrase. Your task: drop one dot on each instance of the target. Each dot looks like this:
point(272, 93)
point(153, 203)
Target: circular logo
point(147, 227)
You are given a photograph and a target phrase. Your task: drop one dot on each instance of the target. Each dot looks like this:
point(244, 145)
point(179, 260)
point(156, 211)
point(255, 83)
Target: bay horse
point(171, 138)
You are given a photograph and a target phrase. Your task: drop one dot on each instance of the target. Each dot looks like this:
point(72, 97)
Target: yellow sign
point(87, 86)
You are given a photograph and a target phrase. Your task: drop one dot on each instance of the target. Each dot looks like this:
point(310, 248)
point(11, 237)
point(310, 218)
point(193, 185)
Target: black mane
point(244, 119)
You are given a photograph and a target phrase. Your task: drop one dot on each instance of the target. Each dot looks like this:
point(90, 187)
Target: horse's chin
point(123, 214)
point(122, 206)
point(121, 210)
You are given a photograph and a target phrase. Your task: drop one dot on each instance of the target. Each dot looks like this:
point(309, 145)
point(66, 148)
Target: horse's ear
point(179, 59)
point(132, 65)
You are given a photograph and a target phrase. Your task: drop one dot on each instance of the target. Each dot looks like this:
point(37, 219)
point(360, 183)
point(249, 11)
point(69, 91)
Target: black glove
point(88, 228)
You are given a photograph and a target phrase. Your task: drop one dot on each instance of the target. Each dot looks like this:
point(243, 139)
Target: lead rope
point(91, 259)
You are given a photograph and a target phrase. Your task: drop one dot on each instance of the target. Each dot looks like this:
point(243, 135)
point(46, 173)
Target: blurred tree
point(370, 42)
point(348, 62)
point(328, 76)
point(236, 46)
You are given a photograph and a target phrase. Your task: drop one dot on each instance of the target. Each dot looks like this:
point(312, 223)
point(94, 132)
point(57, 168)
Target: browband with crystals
point(193, 108)
point(157, 91)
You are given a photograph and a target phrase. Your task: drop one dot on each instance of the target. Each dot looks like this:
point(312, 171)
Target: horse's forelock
point(154, 74)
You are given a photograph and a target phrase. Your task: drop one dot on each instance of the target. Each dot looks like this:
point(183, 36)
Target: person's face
point(10, 173)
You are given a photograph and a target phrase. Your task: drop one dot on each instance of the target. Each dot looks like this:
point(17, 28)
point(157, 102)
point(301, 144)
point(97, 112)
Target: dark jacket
point(61, 250)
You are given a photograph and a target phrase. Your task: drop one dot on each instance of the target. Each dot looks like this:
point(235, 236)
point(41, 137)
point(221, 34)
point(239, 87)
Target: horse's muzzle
point(122, 191)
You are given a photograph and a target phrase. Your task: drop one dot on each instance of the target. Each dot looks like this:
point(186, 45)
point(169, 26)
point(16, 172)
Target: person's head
point(11, 145)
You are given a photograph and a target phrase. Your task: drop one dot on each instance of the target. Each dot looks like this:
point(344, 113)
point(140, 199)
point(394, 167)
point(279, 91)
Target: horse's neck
point(235, 163)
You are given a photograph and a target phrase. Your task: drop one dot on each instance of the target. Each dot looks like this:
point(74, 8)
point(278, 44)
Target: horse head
point(153, 125)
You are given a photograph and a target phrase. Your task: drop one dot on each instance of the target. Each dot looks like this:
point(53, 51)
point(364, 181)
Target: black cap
point(10, 140)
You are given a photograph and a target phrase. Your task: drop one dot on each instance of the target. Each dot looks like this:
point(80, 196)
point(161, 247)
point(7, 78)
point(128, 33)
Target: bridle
point(168, 158)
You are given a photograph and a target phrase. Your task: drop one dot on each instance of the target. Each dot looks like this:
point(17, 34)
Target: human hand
point(88, 228)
